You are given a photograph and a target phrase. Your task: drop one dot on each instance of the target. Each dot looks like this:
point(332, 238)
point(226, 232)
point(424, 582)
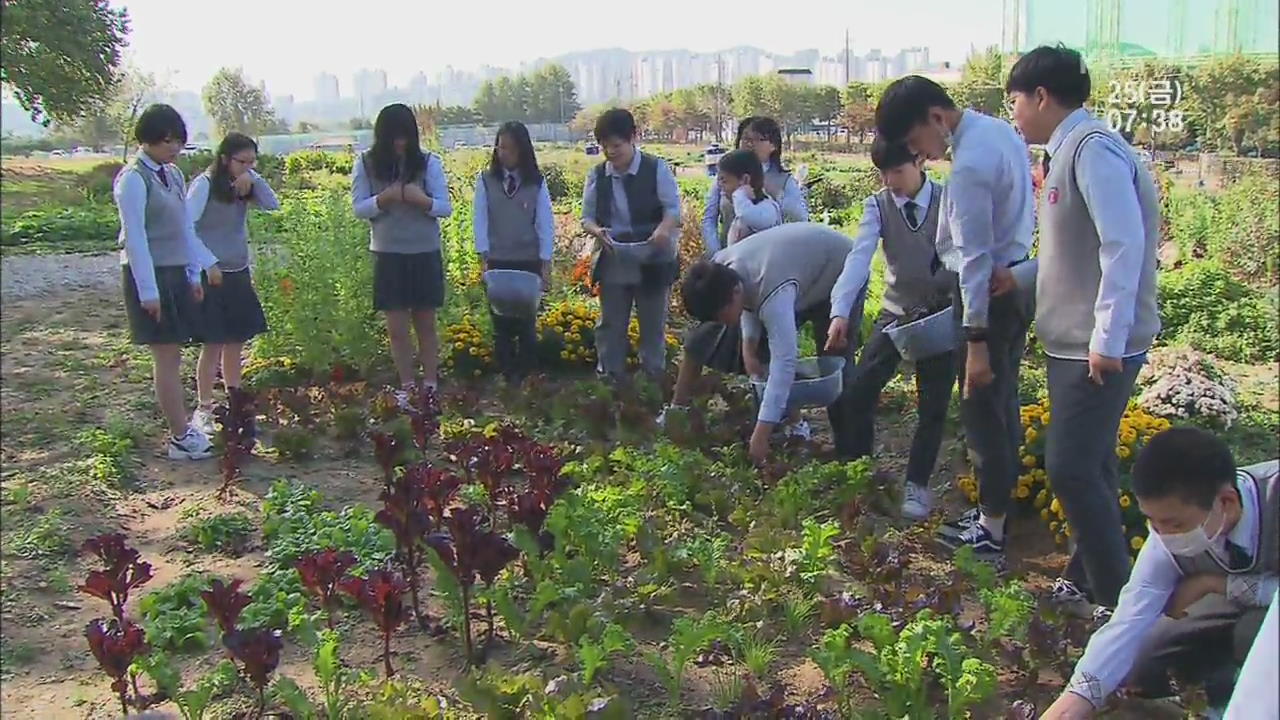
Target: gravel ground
point(33, 276)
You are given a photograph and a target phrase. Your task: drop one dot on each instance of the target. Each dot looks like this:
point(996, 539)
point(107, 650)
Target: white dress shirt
point(1105, 173)
point(1114, 647)
point(857, 267)
point(794, 209)
point(1257, 693)
point(777, 317)
point(543, 217)
point(433, 183)
point(987, 208)
point(751, 216)
point(130, 193)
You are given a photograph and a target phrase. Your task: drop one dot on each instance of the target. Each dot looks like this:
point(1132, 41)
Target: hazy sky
point(287, 42)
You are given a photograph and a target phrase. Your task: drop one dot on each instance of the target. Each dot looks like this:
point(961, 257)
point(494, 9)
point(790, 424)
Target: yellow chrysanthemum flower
point(1125, 501)
point(1137, 542)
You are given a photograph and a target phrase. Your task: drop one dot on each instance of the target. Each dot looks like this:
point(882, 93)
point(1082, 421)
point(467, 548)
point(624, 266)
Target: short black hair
point(707, 288)
point(906, 103)
point(1186, 462)
point(887, 155)
point(159, 123)
point(1058, 69)
point(616, 123)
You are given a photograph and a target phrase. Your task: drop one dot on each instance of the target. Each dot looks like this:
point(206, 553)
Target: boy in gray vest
point(905, 214)
point(760, 286)
point(1202, 581)
point(631, 206)
point(1096, 316)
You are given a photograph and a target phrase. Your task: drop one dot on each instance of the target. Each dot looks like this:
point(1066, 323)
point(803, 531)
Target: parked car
point(57, 153)
point(711, 157)
point(459, 144)
point(593, 148)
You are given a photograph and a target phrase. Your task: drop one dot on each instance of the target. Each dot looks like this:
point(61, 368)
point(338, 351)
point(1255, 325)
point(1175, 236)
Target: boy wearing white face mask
point(1201, 583)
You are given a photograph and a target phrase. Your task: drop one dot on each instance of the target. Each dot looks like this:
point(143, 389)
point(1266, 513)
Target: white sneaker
point(202, 419)
point(193, 445)
point(917, 502)
point(662, 416)
point(800, 429)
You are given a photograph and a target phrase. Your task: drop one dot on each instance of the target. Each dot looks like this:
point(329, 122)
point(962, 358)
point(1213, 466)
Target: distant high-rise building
point(368, 87)
point(419, 90)
point(327, 89)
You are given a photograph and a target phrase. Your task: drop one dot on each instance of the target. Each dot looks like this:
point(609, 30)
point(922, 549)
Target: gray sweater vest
point(224, 229)
point(402, 228)
point(166, 217)
point(910, 281)
point(1266, 556)
point(775, 185)
point(1069, 269)
point(811, 255)
point(512, 235)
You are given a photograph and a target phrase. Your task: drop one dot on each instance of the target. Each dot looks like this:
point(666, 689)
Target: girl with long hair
point(514, 230)
point(763, 137)
point(218, 202)
point(403, 193)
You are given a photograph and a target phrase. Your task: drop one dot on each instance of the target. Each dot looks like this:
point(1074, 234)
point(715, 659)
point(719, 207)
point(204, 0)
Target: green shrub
point(225, 533)
point(1190, 216)
point(1245, 232)
point(1203, 306)
point(59, 228)
point(294, 443)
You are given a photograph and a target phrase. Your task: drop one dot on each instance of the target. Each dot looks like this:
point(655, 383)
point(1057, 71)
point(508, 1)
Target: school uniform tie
point(511, 185)
point(1044, 164)
point(163, 178)
point(909, 209)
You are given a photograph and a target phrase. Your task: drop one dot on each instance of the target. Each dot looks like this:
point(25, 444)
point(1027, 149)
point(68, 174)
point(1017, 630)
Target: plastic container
point(513, 293)
point(819, 381)
point(640, 252)
point(926, 337)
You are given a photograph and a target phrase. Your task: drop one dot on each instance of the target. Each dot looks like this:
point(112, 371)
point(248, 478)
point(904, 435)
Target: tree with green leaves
point(236, 105)
point(60, 58)
point(552, 95)
point(981, 85)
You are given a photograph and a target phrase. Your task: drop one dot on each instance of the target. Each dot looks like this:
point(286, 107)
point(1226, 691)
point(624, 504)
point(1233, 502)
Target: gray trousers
point(1080, 460)
point(991, 415)
point(935, 376)
point(612, 344)
point(1207, 647)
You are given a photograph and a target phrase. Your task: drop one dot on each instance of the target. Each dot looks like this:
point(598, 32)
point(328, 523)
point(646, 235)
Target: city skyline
point(285, 43)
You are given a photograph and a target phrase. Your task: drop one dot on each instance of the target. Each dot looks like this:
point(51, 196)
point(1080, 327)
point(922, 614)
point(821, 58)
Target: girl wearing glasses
point(763, 137)
point(218, 201)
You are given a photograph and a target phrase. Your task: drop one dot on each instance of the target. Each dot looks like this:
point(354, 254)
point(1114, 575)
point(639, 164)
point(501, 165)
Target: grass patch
point(44, 537)
point(228, 533)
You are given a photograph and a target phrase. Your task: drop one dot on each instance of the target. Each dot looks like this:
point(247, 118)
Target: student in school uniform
point(218, 201)
point(631, 197)
point(161, 260)
point(1096, 314)
point(515, 230)
point(741, 177)
point(1200, 587)
point(402, 192)
point(759, 287)
point(763, 137)
point(986, 225)
point(904, 216)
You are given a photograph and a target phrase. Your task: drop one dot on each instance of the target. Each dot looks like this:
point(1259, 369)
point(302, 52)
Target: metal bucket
point(513, 293)
point(926, 337)
point(819, 381)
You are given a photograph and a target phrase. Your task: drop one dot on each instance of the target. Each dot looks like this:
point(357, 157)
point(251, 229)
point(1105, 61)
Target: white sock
point(994, 525)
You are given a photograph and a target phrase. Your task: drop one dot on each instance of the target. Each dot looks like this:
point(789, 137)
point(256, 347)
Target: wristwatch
point(975, 334)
